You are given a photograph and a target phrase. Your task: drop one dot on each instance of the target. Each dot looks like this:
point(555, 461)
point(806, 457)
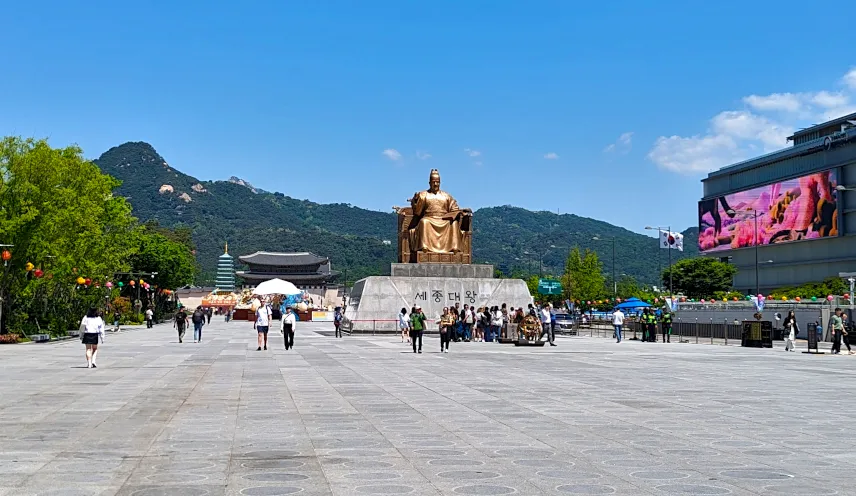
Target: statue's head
point(434, 181)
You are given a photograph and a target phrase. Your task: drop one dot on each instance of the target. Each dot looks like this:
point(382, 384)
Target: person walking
point(545, 324)
point(417, 327)
point(846, 333)
point(117, 317)
point(208, 313)
point(447, 322)
point(287, 326)
point(404, 324)
point(337, 321)
point(791, 331)
point(150, 316)
point(666, 324)
point(262, 325)
point(180, 322)
point(198, 319)
point(92, 331)
point(617, 323)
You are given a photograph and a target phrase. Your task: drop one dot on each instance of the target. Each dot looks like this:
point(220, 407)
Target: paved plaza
point(364, 415)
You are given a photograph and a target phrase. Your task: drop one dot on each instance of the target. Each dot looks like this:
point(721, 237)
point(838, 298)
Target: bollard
point(711, 330)
point(726, 331)
point(696, 330)
point(680, 330)
point(374, 322)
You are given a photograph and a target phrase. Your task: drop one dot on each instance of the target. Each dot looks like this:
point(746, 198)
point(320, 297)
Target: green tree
point(172, 260)
point(583, 278)
point(699, 277)
point(58, 211)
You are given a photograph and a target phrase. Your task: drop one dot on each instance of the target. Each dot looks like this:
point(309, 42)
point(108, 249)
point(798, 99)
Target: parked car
point(566, 324)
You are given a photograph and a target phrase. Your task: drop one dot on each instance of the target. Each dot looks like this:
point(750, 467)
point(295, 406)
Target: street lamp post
point(2, 282)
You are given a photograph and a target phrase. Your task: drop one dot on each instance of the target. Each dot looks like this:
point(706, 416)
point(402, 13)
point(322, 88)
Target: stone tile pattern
point(364, 415)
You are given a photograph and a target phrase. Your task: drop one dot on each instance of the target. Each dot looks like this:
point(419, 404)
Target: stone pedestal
point(375, 302)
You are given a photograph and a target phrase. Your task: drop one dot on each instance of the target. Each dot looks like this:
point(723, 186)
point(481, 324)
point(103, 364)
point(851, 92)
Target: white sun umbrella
point(276, 287)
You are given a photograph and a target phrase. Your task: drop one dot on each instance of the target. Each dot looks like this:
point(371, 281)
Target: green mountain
point(359, 241)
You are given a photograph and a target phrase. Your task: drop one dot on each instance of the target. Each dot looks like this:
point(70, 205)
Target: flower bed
point(10, 338)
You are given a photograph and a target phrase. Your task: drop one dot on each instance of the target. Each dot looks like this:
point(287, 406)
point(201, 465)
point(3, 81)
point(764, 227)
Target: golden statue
point(434, 228)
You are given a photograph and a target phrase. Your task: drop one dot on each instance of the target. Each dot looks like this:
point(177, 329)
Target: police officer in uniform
point(667, 326)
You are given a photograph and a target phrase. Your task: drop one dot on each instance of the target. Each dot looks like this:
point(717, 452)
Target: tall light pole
point(3, 280)
point(755, 242)
point(614, 280)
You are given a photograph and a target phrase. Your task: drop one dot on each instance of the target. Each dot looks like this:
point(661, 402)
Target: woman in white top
point(287, 325)
point(92, 327)
point(404, 325)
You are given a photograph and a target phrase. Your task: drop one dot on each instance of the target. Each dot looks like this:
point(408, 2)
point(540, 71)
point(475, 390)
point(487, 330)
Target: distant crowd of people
point(471, 324)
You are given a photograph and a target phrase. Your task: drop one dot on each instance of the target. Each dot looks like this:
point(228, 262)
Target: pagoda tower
point(225, 272)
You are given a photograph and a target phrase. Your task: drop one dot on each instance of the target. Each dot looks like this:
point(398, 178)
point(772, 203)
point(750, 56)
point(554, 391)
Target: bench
point(40, 338)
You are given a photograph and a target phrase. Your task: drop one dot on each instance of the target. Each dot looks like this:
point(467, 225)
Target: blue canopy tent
point(632, 304)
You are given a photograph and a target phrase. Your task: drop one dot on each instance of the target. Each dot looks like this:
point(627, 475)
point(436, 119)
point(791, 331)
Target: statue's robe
point(438, 230)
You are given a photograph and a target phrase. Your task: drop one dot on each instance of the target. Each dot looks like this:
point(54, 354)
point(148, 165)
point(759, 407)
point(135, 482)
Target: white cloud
point(422, 155)
point(478, 162)
point(788, 102)
point(849, 79)
point(551, 156)
point(392, 154)
point(622, 145)
point(472, 153)
point(762, 126)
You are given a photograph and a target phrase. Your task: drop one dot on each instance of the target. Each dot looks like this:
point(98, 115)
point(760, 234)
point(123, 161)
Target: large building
point(307, 271)
point(789, 217)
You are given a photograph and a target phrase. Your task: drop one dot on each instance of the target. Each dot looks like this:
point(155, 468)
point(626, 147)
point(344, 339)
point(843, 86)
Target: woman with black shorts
point(92, 330)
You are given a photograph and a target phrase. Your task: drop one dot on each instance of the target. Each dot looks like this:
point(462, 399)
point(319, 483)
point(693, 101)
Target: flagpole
point(671, 295)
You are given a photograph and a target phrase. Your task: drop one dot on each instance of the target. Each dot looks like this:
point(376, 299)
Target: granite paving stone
point(363, 415)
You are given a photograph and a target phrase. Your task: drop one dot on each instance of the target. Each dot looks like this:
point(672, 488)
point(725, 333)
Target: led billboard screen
point(801, 208)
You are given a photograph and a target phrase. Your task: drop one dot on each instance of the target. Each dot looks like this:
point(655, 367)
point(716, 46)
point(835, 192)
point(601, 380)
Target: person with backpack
point(180, 322)
point(198, 319)
point(417, 326)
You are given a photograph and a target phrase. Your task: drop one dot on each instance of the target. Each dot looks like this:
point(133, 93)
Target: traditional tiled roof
point(295, 278)
point(282, 259)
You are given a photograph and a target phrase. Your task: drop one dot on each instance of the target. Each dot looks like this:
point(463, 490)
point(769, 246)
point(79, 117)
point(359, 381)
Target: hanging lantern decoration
point(702, 300)
point(784, 298)
point(88, 281)
point(814, 298)
point(735, 298)
point(29, 266)
point(683, 299)
point(829, 298)
point(108, 284)
point(7, 255)
point(846, 296)
point(132, 283)
point(38, 273)
point(713, 301)
point(81, 281)
point(147, 286)
point(798, 299)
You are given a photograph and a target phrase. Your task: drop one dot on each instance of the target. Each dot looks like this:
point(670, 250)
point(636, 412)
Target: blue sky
point(612, 110)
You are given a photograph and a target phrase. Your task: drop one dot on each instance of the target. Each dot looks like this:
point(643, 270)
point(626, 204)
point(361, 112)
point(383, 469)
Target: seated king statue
point(436, 229)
